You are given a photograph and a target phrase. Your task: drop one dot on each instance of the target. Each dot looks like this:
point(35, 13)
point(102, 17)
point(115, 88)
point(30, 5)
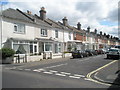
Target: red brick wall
point(84, 38)
point(79, 37)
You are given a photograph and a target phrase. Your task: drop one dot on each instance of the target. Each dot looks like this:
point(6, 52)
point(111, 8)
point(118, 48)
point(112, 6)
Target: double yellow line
point(89, 74)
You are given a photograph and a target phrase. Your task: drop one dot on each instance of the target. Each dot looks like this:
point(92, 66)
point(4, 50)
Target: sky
point(98, 14)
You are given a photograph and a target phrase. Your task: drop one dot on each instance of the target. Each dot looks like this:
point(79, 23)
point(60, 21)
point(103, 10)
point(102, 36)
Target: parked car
point(113, 53)
point(77, 54)
point(90, 53)
point(85, 54)
point(117, 46)
point(94, 52)
point(80, 54)
point(99, 51)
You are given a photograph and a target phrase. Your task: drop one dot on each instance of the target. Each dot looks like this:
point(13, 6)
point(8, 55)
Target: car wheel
point(108, 57)
point(81, 56)
point(74, 57)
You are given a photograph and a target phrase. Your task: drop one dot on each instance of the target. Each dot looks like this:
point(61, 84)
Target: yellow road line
point(89, 74)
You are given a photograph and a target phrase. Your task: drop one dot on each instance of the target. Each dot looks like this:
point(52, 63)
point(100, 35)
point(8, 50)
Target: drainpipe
point(63, 45)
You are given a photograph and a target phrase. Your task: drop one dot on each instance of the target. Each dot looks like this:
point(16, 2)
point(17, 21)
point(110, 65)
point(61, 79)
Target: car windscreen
point(113, 50)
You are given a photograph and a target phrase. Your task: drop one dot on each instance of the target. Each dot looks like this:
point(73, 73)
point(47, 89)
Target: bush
point(7, 52)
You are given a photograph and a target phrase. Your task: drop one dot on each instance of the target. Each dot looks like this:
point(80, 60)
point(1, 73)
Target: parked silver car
point(113, 53)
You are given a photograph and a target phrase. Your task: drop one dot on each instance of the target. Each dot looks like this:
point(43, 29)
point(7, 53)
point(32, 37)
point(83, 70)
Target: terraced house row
point(41, 38)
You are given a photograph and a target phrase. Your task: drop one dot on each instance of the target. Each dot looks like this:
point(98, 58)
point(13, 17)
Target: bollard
point(25, 58)
point(50, 55)
point(18, 58)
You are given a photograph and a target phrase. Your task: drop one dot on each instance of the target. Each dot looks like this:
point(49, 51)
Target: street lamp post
point(1, 26)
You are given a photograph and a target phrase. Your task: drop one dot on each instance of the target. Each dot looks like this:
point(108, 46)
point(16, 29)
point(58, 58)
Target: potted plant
point(7, 55)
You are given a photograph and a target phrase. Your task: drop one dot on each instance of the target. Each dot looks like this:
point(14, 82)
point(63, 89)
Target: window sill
point(43, 35)
point(18, 32)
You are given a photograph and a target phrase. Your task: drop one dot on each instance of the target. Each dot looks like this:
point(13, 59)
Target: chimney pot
point(79, 26)
point(100, 32)
point(95, 31)
point(88, 28)
point(104, 34)
point(29, 12)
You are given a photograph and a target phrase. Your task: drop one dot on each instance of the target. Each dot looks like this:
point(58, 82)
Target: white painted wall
point(60, 35)
point(8, 31)
point(38, 33)
point(66, 36)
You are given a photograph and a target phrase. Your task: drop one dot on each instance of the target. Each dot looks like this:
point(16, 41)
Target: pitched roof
point(41, 22)
point(19, 15)
point(72, 28)
point(15, 14)
point(65, 27)
point(54, 24)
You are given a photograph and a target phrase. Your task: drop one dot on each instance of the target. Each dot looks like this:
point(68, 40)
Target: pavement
point(110, 74)
point(36, 63)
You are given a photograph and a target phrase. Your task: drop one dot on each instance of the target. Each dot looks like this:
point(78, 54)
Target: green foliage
point(7, 52)
point(68, 52)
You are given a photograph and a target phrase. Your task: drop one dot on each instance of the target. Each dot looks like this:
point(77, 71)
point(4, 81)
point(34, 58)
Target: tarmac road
point(67, 73)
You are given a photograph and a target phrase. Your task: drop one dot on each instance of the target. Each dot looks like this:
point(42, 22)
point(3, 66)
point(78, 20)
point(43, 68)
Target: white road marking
point(48, 72)
point(87, 79)
point(95, 76)
point(20, 69)
point(53, 71)
point(60, 74)
point(27, 69)
point(56, 65)
point(39, 70)
point(65, 73)
point(74, 77)
point(36, 70)
point(79, 75)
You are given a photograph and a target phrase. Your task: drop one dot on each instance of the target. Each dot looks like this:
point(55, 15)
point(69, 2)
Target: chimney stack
point(108, 36)
point(79, 26)
point(100, 32)
point(88, 29)
point(95, 31)
point(42, 13)
point(65, 21)
point(111, 37)
point(104, 34)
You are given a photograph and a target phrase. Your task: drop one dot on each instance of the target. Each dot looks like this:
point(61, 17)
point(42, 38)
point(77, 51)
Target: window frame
point(56, 34)
point(44, 33)
point(59, 47)
point(17, 28)
point(49, 44)
point(69, 35)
